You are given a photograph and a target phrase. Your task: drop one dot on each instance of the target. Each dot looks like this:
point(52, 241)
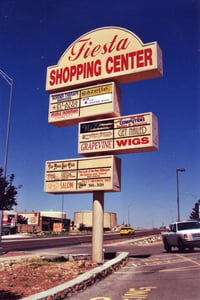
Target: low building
point(83, 220)
point(53, 214)
point(42, 221)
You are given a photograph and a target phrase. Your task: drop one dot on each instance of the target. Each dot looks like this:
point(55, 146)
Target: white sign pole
point(97, 227)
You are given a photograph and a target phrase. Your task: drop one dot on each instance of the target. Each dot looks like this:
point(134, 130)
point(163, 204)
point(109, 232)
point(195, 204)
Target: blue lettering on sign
point(132, 121)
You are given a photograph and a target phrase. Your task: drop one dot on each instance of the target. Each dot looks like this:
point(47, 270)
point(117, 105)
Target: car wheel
point(181, 246)
point(167, 247)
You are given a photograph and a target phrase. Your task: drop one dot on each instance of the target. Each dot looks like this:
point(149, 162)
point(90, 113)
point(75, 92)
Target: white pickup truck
point(182, 235)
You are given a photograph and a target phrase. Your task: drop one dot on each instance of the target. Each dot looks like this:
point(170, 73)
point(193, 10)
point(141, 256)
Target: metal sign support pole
point(97, 227)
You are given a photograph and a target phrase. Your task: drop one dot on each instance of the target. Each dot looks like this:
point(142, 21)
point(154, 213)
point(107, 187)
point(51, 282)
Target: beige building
point(53, 214)
point(84, 218)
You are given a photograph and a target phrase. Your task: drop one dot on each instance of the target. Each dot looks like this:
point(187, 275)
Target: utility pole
point(10, 82)
point(177, 182)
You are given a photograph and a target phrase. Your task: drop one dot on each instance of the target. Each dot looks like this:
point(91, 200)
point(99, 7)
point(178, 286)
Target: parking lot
point(166, 276)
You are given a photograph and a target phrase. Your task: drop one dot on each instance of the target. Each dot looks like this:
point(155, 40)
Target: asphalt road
point(40, 242)
point(150, 274)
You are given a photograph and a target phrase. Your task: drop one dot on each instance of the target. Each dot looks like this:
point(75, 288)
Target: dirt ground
point(27, 276)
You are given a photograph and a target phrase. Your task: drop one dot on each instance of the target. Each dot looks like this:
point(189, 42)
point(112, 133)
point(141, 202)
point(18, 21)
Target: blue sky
point(33, 36)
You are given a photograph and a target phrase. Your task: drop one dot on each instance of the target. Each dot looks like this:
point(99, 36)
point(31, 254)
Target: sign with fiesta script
point(129, 134)
point(70, 107)
point(112, 53)
point(101, 173)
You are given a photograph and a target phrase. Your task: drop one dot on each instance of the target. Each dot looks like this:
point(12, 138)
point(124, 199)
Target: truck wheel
point(181, 246)
point(167, 247)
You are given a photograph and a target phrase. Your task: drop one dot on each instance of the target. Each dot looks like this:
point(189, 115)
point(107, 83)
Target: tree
point(8, 192)
point(195, 211)
point(82, 227)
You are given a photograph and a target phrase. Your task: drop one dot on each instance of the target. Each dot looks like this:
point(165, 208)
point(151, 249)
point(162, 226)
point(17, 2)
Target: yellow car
point(127, 231)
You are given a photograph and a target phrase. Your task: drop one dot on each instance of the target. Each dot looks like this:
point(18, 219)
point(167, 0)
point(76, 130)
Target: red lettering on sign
point(93, 69)
point(85, 48)
point(148, 57)
point(68, 74)
point(130, 142)
point(124, 62)
point(145, 140)
point(67, 185)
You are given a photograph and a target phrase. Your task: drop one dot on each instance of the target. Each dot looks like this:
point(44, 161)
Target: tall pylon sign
point(84, 90)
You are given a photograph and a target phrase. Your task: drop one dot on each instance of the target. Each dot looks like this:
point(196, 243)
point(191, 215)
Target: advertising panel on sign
point(129, 134)
point(57, 227)
point(28, 218)
point(70, 107)
point(108, 53)
point(9, 218)
point(100, 173)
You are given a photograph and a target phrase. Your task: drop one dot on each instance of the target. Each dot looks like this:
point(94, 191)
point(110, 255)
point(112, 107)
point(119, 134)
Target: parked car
point(126, 231)
point(182, 235)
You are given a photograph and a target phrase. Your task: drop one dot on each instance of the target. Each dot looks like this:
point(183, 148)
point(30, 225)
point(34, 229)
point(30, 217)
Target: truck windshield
point(188, 225)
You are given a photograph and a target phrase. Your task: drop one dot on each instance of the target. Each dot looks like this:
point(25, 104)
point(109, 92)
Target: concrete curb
point(82, 281)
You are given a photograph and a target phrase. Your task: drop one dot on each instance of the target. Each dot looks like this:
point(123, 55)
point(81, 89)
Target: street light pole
point(10, 82)
point(177, 183)
point(129, 215)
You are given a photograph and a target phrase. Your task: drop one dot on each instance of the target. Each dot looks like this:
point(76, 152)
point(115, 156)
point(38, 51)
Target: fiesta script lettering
point(85, 49)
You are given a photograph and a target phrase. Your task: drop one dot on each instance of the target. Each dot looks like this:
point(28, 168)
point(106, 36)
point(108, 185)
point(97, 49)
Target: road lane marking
point(195, 265)
point(138, 294)
point(180, 269)
point(190, 260)
point(125, 272)
point(135, 265)
point(101, 298)
point(162, 262)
